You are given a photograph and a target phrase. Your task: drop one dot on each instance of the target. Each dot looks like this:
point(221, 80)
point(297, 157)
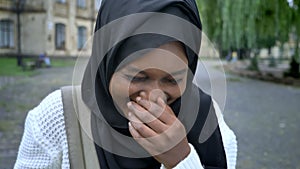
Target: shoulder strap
point(82, 152)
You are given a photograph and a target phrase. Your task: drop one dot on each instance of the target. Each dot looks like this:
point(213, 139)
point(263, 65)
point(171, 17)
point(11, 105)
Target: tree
point(294, 70)
point(245, 24)
point(210, 13)
point(231, 24)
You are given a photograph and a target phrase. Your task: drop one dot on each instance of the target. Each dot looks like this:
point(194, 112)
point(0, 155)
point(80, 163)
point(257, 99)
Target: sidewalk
point(18, 95)
point(7, 80)
point(265, 73)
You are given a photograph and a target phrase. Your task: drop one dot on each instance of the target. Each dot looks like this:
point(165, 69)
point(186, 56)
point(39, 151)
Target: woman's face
point(162, 72)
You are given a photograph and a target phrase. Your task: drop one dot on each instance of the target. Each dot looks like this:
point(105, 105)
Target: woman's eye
point(173, 81)
point(139, 79)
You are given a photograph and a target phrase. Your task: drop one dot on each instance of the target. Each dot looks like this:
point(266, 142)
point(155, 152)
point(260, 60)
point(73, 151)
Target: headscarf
point(95, 85)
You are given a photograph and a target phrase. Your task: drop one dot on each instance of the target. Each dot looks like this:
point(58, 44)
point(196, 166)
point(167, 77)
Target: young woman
point(143, 109)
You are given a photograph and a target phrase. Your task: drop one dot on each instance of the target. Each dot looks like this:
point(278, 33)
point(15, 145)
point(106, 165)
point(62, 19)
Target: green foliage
point(284, 20)
point(210, 13)
point(252, 25)
point(237, 24)
point(296, 22)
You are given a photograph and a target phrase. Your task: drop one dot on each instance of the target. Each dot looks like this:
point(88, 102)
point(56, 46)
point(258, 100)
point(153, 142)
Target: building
point(58, 27)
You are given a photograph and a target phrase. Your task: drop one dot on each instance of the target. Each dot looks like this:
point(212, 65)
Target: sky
point(291, 2)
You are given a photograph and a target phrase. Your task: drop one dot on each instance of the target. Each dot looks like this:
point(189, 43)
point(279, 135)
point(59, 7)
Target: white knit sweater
point(44, 143)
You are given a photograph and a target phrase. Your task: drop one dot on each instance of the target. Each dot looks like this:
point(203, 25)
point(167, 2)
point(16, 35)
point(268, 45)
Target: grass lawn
point(57, 62)
point(8, 66)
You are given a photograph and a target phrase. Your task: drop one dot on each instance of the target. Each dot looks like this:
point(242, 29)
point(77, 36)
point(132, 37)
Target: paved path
point(265, 118)
point(263, 115)
point(17, 97)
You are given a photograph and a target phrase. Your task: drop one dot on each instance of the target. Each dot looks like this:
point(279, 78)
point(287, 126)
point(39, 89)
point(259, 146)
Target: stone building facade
point(57, 27)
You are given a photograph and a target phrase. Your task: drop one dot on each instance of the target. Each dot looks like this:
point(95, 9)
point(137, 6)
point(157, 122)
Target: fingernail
point(129, 104)
point(161, 100)
point(129, 124)
point(142, 93)
point(129, 114)
point(138, 99)
point(137, 125)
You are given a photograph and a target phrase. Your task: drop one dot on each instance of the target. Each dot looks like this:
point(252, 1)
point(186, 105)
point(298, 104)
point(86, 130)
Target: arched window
point(6, 34)
point(60, 36)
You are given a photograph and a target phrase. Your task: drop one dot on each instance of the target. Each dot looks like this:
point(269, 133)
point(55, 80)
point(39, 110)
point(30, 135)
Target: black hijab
point(107, 123)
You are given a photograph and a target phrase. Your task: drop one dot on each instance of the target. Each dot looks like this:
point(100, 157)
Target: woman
point(143, 109)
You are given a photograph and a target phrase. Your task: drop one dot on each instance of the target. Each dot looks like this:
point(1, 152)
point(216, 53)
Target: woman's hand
point(154, 126)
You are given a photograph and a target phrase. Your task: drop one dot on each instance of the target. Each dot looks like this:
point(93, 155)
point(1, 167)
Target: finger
point(143, 130)
point(133, 132)
point(158, 144)
point(161, 102)
point(143, 95)
point(144, 142)
point(132, 118)
point(146, 117)
point(160, 110)
point(168, 116)
point(148, 144)
point(152, 107)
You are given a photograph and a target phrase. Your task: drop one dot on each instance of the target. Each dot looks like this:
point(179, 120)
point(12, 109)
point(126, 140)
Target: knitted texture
point(229, 139)
point(44, 142)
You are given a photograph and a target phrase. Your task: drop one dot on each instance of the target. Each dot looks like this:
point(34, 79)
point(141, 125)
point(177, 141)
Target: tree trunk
point(294, 64)
point(272, 62)
point(254, 61)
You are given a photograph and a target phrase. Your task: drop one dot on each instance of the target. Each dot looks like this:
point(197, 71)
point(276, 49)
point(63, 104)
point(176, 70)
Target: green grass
point(4, 105)
point(57, 62)
point(6, 125)
point(234, 79)
point(8, 66)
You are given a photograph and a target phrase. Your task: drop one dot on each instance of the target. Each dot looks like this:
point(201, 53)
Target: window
point(81, 3)
point(6, 34)
point(97, 4)
point(61, 1)
point(82, 34)
point(60, 36)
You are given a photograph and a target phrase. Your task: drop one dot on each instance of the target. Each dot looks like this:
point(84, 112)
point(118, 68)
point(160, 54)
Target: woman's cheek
point(119, 88)
point(134, 90)
point(182, 84)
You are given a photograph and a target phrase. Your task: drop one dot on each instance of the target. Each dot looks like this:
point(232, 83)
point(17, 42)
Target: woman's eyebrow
point(182, 71)
point(136, 70)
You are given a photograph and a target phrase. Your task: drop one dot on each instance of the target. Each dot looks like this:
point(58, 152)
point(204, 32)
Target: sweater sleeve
point(44, 143)
point(228, 137)
point(192, 161)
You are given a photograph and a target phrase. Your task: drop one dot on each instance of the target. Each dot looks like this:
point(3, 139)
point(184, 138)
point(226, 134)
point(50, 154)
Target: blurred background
point(255, 42)
point(258, 41)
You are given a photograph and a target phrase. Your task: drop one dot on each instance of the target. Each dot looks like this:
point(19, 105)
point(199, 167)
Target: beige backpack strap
point(82, 152)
